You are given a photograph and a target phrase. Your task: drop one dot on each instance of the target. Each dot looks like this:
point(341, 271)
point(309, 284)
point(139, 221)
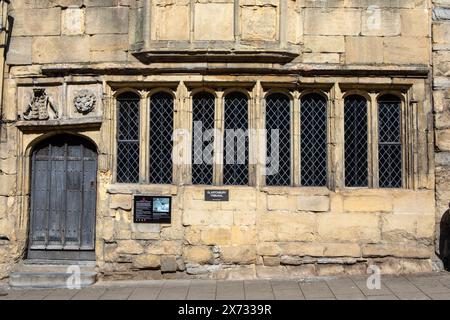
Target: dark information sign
point(217, 195)
point(152, 209)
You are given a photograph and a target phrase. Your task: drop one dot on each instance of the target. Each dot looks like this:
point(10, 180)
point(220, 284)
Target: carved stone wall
point(90, 50)
point(441, 102)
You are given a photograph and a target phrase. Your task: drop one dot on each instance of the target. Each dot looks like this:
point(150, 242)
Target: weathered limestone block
point(8, 165)
point(305, 270)
point(329, 269)
point(172, 22)
point(416, 266)
point(120, 201)
point(406, 50)
point(313, 203)
point(268, 272)
point(414, 202)
point(395, 250)
point(398, 228)
point(426, 227)
point(147, 261)
point(342, 250)
point(168, 264)
point(238, 254)
point(325, 44)
point(243, 235)
point(62, 49)
point(359, 227)
point(8, 185)
point(198, 254)
point(367, 204)
point(73, 21)
point(129, 247)
point(442, 120)
point(268, 249)
point(271, 261)
point(236, 273)
point(100, 3)
point(30, 22)
point(214, 21)
point(106, 227)
point(442, 158)
point(332, 21)
point(19, 52)
point(206, 217)
point(415, 22)
point(441, 33)
point(443, 139)
point(302, 249)
point(280, 226)
point(281, 202)
point(215, 236)
point(441, 13)
point(165, 247)
point(106, 20)
point(364, 50)
point(294, 23)
point(381, 22)
point(259, 23)
point(108, 42)
point(244, 218)
point(321, 58)
point(57, 3)
point(110, 252)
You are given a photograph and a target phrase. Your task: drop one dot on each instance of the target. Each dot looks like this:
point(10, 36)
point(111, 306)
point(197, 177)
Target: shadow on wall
point(444, 241)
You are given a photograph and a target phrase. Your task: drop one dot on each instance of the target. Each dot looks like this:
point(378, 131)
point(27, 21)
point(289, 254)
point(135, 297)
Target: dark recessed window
point(203, 107)
point(389, 143)
point(356, 143)
point(236, 146)
point(161, 130)
point(128, 138)
point(278, 139)
point(313, 139)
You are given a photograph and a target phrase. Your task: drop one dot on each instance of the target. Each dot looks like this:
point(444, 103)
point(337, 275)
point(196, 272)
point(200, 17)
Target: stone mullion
point(218, 139)
point(337, 133)
point(107, 131)
point(414, 142)
point(144, 137)
point(184, 118)
point(259, 138)
point(252, 140)
point(372, 120)
point(113, 121)
point(331, 139)
point(295, 140)
point(407, 134)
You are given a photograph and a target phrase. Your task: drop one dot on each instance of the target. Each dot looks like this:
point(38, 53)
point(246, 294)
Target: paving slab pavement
point(432, 286)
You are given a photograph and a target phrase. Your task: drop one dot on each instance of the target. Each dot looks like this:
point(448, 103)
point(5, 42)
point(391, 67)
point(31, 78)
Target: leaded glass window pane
point(202, 138)
point(236, 153)
point(389, 144)
point(356, 141)
point(128, 138)
point(278, 138)
point(314, 140)
point(161, 130)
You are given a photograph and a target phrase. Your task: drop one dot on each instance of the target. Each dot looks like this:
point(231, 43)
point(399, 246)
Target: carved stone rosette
point(84, 101)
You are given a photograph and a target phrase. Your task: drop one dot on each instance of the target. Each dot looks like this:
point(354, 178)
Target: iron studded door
point(63, 199)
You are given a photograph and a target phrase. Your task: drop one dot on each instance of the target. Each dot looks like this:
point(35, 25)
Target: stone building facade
point(363, 85)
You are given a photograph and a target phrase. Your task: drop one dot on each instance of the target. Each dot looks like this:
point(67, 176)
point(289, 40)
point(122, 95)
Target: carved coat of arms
point(84, 101)
point(39, 105)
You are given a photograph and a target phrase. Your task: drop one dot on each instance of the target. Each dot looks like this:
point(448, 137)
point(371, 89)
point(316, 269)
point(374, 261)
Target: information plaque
point(217, 195)
point(152, 209)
